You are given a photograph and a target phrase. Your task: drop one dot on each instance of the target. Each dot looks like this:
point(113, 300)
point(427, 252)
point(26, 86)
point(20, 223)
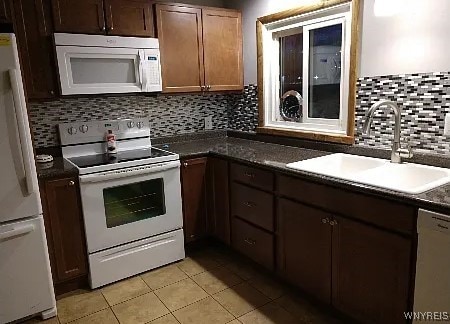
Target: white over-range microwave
point(94, 64)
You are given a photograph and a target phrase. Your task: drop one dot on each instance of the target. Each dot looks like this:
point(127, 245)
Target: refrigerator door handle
point(16, 232)
point(19, 111)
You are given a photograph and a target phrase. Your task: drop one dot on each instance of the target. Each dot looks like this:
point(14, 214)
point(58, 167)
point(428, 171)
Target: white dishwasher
point(432, 290)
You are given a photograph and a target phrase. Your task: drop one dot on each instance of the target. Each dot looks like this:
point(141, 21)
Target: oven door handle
point(129, 172)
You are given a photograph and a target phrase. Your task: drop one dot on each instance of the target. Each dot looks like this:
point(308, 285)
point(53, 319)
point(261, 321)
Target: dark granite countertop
point(275, 156)
point(56, 169)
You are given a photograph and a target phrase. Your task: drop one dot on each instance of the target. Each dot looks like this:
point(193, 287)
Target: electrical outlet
point(447, 125)
point(208, 123)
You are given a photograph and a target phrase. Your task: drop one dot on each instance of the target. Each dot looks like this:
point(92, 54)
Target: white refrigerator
point(26, 286)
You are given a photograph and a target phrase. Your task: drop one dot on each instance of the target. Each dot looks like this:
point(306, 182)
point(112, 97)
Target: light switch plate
point(208, 123)
point(447, 125)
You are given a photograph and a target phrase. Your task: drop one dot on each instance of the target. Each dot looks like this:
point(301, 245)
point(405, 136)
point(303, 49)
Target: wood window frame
point(349, 137)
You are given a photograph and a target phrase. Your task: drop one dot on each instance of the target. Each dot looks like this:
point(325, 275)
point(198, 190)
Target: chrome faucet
point(397, 151)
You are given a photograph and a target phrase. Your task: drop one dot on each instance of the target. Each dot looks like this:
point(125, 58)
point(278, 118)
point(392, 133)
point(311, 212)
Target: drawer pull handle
point(249, 204)
point(249, 175)
point(333, 222)
point(250, 241)
point(325, 220)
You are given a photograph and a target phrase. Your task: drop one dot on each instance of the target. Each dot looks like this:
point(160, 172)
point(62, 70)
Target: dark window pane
point(134, 202)
point(325, 72)
point(291, 71)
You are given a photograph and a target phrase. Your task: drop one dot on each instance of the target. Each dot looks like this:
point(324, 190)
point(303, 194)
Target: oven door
point(126, 205)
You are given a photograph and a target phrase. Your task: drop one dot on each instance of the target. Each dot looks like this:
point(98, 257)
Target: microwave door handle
point(26, 148)
point(142, 76)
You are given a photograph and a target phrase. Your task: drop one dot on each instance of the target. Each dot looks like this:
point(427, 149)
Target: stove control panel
point(95, 131)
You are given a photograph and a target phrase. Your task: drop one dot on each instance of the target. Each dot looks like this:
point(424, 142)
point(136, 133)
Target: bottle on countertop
point(111, 142)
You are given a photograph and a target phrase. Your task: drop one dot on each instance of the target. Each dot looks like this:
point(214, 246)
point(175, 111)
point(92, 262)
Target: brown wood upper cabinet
point(193, 189)
point(5, 13)
point(34, 37)
point(112, 17)
point(201, 48)
point(64, 228)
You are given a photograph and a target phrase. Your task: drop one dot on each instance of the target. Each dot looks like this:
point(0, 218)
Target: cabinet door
point(5, 14)
point(34, 37)
point(193, 183)
point(304, 248)
point(63, 218)
point(79, 16)
point(181, 43)
point(222, 41)
point(218, 199)
point(371, 272)
point(129, 17)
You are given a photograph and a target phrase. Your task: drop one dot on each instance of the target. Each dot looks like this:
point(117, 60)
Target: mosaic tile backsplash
point(169, 115)
point(243, 110)
point(424, 98)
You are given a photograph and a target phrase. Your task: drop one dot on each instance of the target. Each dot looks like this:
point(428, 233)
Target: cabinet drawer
point(253, 242)
point(252, 205)
point(378, 211)
point(252, 176)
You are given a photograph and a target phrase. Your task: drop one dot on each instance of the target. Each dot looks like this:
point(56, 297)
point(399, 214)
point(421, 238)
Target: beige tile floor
point(212, 285)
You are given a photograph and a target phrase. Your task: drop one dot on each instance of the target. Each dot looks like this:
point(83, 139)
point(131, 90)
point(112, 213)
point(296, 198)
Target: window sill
point(322, 137)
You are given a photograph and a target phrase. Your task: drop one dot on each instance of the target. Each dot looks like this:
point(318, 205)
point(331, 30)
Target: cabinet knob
point(249, 175)
point(52, 92)
point(333, 222)
point(208, 87)
point(185, 164)
point(249, 204)
point(325, 220)
point(103, 28)
point(249, 241)
point(71, 183)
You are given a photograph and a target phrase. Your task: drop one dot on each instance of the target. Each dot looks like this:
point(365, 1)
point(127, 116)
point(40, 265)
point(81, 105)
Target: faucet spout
point(397, 152)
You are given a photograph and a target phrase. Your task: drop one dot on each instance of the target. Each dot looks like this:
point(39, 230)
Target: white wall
point(415, 40)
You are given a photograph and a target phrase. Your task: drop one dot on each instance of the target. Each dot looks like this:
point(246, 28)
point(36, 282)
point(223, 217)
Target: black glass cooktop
point(125, 156)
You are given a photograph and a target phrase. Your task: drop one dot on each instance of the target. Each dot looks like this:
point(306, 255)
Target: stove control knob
point(72, 130)
point(140, 125)
point(84, 128)
point(130, 124)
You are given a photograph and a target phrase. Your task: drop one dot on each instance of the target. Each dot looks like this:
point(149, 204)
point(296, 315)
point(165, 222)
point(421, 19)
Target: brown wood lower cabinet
point(327, 241)
point(64, 228)
point(193, 188)
point(371, 272)
point(304, 248)
point(218, 199)
point(255, 243)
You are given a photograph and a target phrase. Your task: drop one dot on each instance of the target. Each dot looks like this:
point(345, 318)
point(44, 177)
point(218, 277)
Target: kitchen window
point(306, 88)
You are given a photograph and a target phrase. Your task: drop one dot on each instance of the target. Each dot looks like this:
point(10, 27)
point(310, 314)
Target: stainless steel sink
point(404, 177)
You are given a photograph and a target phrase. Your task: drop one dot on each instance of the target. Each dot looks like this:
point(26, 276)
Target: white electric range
point(131, 200)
